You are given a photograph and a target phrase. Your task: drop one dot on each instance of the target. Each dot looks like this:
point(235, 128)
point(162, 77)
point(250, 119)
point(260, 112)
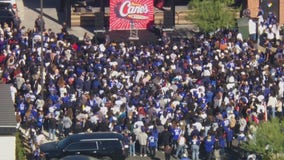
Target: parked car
point(79, 157)
point(7, 14)
point(12, 2)
point(4, 5)
point(101, 145)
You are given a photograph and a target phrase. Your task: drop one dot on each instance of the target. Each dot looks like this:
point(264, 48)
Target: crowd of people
point(183, 97)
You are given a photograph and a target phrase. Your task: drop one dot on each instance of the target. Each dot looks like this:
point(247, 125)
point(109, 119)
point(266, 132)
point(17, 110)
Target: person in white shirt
point(261, 28)
point(270, 34)
point(181, 145)
point(276, 30)
point(240, 36)
point(14, 91)
point(271, 105)
point(252, 30)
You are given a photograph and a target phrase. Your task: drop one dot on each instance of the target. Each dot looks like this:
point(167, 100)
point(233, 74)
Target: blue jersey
point(176, 133)
point(40, 121)
point(152, 141)
point(22, 108)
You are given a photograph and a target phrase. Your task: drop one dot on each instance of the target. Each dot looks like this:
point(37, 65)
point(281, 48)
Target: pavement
point(29, 10)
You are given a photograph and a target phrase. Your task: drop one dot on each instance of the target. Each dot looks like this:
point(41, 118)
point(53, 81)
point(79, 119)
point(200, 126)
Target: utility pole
point(41, 49)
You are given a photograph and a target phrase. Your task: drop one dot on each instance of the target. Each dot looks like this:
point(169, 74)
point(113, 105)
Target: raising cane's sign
point(124, 13)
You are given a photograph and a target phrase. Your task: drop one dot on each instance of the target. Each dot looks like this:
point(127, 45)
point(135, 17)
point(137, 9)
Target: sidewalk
point(29, 10)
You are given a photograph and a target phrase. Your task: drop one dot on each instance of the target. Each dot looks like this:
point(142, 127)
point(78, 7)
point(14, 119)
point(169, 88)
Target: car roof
point(4, 5)
point(78, 157)
point(96, 136)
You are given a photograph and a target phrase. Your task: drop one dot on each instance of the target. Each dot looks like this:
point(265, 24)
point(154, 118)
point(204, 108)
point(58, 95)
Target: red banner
point(126, 13)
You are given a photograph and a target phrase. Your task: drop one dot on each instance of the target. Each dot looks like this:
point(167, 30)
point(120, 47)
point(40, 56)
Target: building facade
point(275, 6)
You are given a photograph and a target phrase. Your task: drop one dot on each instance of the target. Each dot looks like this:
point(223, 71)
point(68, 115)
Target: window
point(82, 146)
point(63, 143)
point(110, 145)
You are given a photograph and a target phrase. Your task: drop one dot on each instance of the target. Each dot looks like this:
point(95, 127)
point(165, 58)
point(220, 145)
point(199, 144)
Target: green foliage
point(20, 150)
point(267, 134)
point(210, 15)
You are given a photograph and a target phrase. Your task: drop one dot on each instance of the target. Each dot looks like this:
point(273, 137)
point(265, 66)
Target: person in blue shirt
point(152, 144)
point(22, 107)
point(222, 144)
point(155, 133)
point(229, 137)
point(117, 127)
point(209, 146)
point(40, 120)
point(176, 131)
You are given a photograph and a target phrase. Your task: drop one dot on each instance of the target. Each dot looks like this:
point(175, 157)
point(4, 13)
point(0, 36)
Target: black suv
point(101, 145)
point(7, 14)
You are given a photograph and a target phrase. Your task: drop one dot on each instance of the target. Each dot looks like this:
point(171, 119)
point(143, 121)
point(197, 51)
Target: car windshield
point(63, 143)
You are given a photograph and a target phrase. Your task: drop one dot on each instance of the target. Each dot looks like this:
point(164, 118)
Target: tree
point(211, 15)
point(268, 140)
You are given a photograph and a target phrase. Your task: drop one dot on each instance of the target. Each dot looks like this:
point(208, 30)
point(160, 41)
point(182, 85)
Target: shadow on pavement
point(35, 6)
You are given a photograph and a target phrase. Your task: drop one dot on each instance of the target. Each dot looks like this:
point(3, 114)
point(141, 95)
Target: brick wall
point(254, 4)
point(281, 12)
point(253, 7)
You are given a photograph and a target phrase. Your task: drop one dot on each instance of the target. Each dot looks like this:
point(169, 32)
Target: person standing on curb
point(209, 146)
point(152, 143)
point(217, 147)
point(38, 22)
point(126, 140)
point(195, 142)
point(132, 144)
point(229, 138)
point(168, 151)
point(67, 124)
point(166, 137)
point(181, 145)
point(51, 127)
point(142, 138)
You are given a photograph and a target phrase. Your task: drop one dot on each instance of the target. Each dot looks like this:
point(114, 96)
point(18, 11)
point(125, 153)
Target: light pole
point(41, 48)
